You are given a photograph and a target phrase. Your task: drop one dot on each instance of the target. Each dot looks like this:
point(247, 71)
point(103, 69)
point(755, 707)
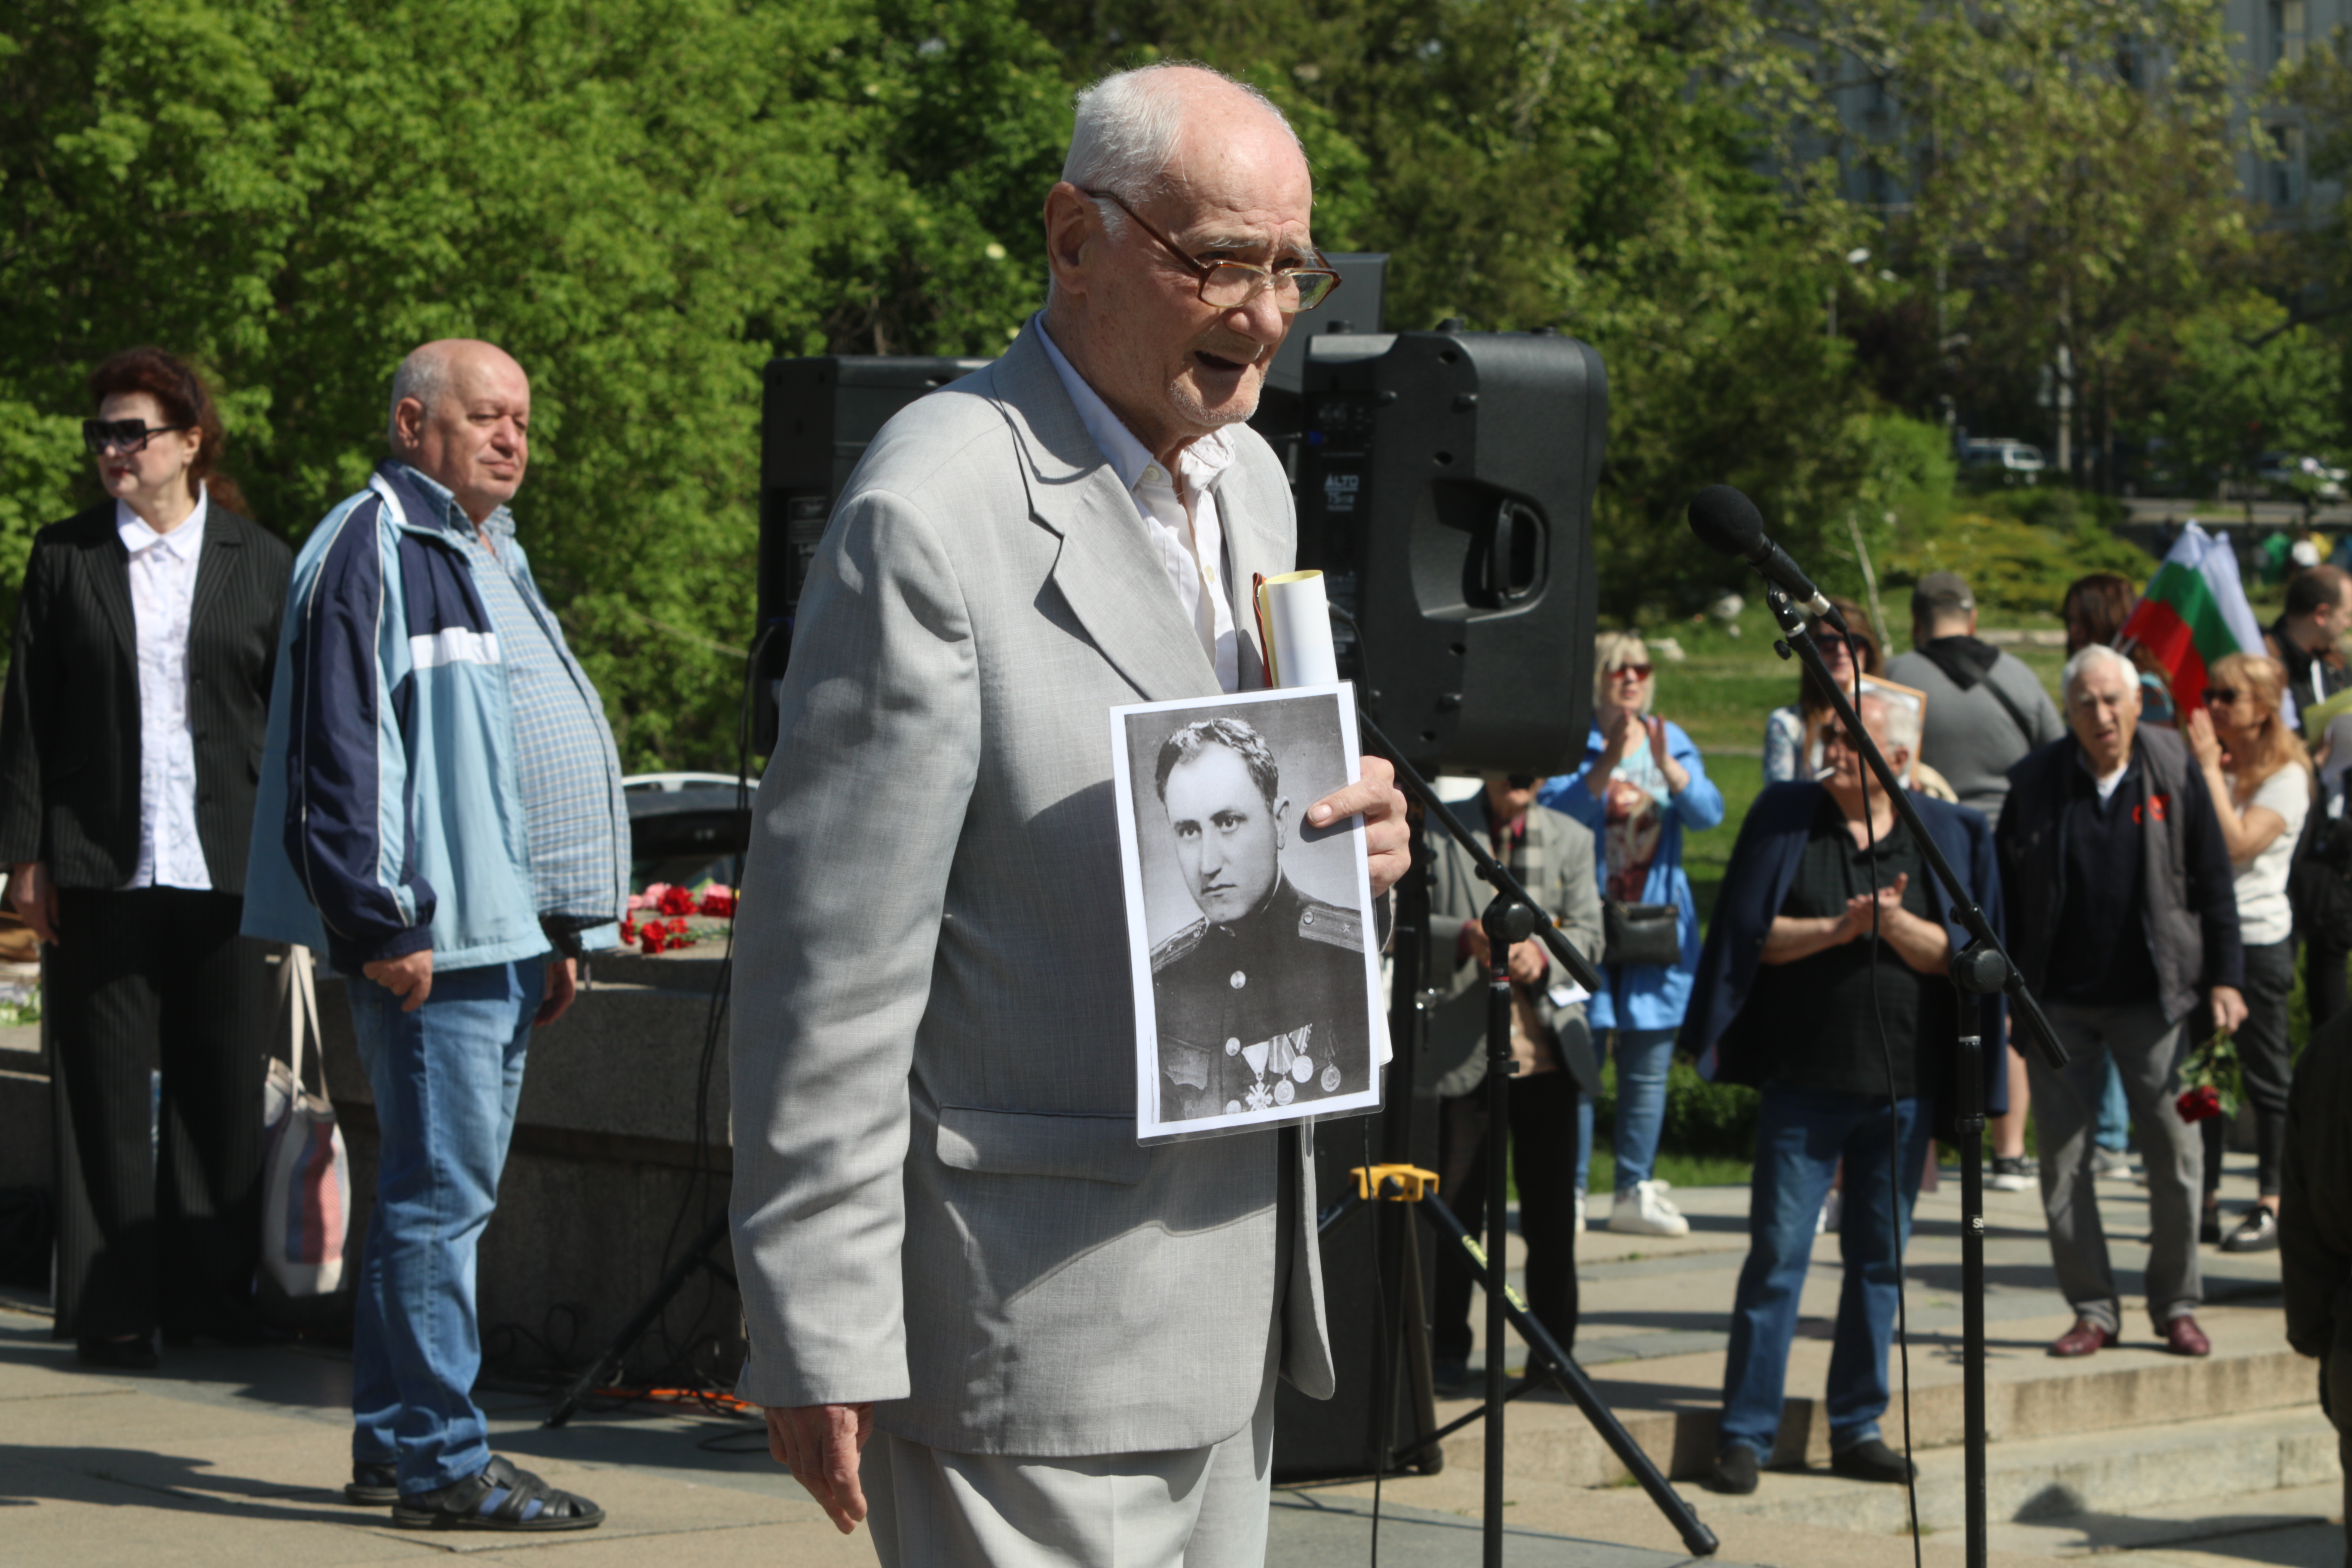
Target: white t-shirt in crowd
point(2263, 913)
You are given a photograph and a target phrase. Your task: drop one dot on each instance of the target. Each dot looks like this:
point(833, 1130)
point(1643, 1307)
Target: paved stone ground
point(236, 1457)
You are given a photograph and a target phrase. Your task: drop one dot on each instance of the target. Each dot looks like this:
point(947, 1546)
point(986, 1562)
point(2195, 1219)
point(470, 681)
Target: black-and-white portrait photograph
point(1256, 974)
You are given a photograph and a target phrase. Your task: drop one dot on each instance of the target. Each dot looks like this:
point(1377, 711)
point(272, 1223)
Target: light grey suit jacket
point(938, 1200)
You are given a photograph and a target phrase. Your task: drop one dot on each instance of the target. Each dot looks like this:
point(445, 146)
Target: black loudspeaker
point(1445, 484)
point(1329, 1439)
point(816, 418)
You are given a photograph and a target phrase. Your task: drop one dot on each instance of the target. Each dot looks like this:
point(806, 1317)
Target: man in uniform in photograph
point(1262, 1002)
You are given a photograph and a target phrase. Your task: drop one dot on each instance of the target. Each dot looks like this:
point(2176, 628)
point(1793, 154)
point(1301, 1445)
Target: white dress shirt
point(1183, 529)
point(162, 597)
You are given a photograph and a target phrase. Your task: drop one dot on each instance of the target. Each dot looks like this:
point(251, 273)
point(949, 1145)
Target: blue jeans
point(445, 1078)
point(1801, 1137)
point(1643, 1057)
point(2114, 1133)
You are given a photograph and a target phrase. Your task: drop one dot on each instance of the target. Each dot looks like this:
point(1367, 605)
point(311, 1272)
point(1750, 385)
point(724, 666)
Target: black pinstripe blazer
point(70, 721)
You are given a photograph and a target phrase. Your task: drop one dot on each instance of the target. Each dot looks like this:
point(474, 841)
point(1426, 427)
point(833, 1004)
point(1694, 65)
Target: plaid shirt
point(571, 770)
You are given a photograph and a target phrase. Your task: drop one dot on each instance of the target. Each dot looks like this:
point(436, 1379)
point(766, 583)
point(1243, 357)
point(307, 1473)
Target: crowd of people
point(979, 1314)
point(2152, 868)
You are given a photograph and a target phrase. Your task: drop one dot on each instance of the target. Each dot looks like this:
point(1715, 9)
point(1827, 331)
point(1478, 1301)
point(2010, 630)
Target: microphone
point(1728, 524)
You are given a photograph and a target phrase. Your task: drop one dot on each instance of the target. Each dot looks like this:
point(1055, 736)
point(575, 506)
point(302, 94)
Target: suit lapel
point(1105, 571)
point(1241, 512)
point(215, 564)
point(110, 574)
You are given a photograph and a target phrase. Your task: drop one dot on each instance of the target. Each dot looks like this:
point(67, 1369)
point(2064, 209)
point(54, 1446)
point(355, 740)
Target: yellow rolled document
point(1294, 619)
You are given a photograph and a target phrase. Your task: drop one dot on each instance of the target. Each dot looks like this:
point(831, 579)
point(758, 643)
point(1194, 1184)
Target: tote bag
point(306, 1176)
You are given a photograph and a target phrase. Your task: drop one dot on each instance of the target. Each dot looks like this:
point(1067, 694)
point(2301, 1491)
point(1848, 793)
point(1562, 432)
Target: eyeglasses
point(126, 436)
point(1632, 671)
point(2224, 695)
point(1226, 284)
point(1520, 781)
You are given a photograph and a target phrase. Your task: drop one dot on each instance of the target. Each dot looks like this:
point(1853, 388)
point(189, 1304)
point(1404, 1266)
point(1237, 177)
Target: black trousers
point(2325, 990)
point(2266, 1065)
point(156, 977)
point(1543, 1159)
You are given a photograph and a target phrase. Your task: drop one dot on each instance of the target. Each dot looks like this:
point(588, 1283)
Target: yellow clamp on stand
point(1372, 1182)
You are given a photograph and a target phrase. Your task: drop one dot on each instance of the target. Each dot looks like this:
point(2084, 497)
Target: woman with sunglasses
point(2260, 778)
point(1792, 735)
point(1642, 784)
point(129, 734)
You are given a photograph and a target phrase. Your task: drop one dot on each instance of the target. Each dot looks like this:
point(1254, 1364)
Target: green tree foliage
point(647, 199)
point(641, 199)
point(2245, 379)
point(2060, 176)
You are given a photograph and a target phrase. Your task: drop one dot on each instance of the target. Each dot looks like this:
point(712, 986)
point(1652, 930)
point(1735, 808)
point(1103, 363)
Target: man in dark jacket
point(2122, 916)
point(2316, 1224)
point(2318, 611)
point(1824, 983)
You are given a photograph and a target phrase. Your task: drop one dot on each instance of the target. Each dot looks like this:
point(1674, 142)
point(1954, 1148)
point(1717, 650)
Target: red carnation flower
point(675, 901)
point(719, 903)
point(2199, 1103)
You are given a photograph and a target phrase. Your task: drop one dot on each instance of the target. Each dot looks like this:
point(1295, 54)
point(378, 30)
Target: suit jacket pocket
point(1030, 1143)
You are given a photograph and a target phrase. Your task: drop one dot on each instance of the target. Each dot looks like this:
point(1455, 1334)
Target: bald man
point(981, 1315)
point(440, 813)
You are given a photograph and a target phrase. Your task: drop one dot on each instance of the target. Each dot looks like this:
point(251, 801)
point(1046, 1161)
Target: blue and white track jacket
point(389, 815)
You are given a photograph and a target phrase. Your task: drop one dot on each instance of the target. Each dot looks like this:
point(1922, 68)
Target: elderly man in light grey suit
point(1062, 1345)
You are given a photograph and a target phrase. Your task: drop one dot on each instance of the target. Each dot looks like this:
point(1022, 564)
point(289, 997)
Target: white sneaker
point(1580, 1211)
point(1644, 1211)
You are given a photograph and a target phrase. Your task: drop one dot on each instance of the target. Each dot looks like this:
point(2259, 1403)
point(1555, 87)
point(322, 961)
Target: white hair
point(2095, 654)
point(1899, 720)
point(1127, 126)
point(423, 375)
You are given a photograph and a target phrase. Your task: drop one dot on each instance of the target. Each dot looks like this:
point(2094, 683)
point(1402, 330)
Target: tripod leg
point(1415, 1318)
point(1696, 1536)
point(1972, 1286)
point(626, 1340)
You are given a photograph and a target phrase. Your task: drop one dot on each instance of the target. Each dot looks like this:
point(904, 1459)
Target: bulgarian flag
point(2193, 613)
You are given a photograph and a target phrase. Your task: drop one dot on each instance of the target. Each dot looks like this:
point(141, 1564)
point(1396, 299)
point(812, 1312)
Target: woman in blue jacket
point(1642, 784)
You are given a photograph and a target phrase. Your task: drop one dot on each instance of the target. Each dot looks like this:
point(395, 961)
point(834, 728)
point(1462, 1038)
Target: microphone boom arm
point(1490, 870)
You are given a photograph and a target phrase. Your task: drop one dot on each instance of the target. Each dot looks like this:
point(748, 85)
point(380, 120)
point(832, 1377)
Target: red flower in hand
point(2199, 1103)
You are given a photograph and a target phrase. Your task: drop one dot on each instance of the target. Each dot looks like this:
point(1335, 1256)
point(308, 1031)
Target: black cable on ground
point(1384, 1354)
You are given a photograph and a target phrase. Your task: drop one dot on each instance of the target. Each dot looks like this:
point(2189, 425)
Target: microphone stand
point(1980, 969)
point(1510, 918)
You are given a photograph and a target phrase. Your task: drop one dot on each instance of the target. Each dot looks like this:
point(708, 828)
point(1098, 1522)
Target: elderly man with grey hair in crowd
point(1825, 985)
point(2123, 916)
point(981, 1315)
point(440, 813)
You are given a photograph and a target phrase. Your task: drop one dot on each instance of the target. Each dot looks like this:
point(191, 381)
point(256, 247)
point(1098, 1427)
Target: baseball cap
point(1941, 590)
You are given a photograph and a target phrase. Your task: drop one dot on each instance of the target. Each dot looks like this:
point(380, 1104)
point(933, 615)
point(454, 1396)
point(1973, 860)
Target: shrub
point(1702, 1118)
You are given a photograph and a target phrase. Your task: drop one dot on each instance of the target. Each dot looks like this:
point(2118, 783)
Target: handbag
point(306, 1174)
point(1638, 935)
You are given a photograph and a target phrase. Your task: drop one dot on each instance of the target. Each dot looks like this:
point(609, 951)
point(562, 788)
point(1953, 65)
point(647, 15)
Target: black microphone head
point(1725, 521)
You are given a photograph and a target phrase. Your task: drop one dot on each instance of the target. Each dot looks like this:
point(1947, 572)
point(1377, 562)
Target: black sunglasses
point(1521, 781)
point(2225, 695)
point(126, 436)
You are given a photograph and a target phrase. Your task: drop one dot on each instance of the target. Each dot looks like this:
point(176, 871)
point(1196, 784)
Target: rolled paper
point(1295, 618)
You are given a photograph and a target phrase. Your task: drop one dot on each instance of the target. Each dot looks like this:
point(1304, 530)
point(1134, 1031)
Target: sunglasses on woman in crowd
point(125, 436)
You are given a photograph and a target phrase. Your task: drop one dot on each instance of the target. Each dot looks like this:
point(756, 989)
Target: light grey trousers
point(1186, 1508)
point(2147, 1050)
point(1179, 1508)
